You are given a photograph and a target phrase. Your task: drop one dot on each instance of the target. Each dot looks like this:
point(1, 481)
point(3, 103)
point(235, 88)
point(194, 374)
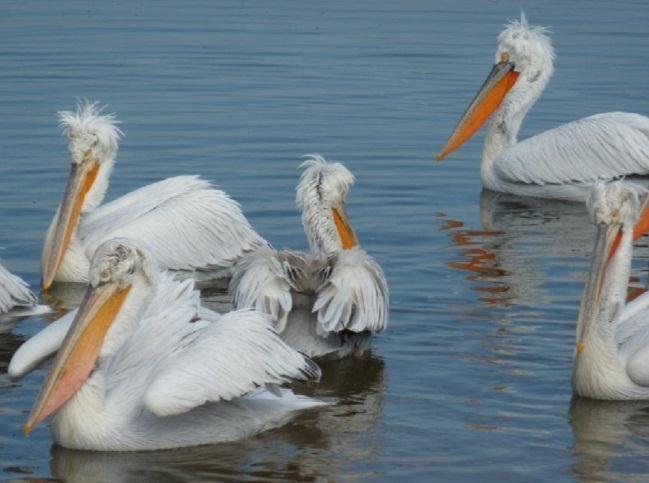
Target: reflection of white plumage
point(560, 163)
point(328, 301)
point(14, 292)
point(142, 365)
point(187, 223)
point(612, 353)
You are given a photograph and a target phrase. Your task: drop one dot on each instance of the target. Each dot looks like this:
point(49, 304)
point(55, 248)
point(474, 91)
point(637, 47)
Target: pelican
point(187, 223)
point(611, 359)
point(327, 302)
point(141, 365)
point(562, 163)
point(14, 293)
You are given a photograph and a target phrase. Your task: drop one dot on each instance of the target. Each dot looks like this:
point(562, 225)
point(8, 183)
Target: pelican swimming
point(561, 163)
point(611, 359)
point(331, 300)
point(141, 365)
point(14, 293)
point(186, 221)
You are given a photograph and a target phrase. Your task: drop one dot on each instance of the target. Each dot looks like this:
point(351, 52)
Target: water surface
point(472, 379)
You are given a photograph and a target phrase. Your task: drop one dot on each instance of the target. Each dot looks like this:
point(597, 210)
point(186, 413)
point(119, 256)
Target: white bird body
point(14, 293)
point(186, 222)
point(565, 162)
point(612, 355)
point(169, 372)
point(327, 302)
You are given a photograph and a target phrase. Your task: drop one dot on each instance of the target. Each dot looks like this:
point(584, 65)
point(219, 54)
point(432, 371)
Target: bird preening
point(144, 364)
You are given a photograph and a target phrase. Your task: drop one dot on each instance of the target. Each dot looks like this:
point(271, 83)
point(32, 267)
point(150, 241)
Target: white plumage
point(564, 162)
point(612, 354)
point(14, 292)
point(170, 372)
point(331, 300)
point(187, 223)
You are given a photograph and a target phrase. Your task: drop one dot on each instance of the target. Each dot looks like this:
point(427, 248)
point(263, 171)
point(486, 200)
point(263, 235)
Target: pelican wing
point(39, 347)
point(354, 295)
point(263, 280)
point(600, 147)
point(225, 360)
point(185, 221)
point(13, 291)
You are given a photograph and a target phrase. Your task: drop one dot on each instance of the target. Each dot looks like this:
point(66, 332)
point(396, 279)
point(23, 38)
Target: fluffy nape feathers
point(525, 43)
point(117, 260)
point(322, 186)
point(90, 132)
point(613, 203)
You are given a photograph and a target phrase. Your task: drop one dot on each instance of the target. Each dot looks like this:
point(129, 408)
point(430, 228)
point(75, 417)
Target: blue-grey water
point(472, 379)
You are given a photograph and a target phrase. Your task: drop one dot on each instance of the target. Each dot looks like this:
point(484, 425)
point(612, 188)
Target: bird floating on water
point(141, 365)
point(186, 221)
point(611, 358)
point(562, 163)
point(326, 302)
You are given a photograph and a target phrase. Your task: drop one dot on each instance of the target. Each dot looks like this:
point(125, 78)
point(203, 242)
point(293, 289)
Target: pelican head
point(93, 144)
point(613, 204)
point(321, 195)
point(613, 208)
point(523, 66)
point(121, 275)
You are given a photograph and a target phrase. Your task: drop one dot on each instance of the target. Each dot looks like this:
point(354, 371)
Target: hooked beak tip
point(440, 156)
point(27, 430)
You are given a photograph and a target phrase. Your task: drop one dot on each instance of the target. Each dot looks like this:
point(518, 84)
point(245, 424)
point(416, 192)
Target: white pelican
point(331, 300)
point(142, 366)
point(563, 162)
point(14, 293)
point(187, 223)
point(611, 358)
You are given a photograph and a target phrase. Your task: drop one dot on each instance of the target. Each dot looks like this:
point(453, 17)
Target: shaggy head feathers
point(322, 186)
point(528, 47)
point(613, 203)
point(90, 132)
point(120, 260)
point(322, 182)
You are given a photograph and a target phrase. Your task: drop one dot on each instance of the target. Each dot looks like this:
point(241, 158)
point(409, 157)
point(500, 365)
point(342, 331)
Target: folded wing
point(263, 280)
point(13, 291)
point(185, 221)
point(600, 147)
point(227, 359)
point(354, 296)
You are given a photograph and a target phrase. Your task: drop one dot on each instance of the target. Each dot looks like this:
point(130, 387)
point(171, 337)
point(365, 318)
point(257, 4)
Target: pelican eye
point(105, 276)
point(504, 57)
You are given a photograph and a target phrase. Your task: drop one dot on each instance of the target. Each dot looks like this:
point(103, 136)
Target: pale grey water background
point(471, 381)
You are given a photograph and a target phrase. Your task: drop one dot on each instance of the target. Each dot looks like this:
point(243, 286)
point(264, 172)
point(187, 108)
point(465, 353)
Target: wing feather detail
point(186, 222)
point(355, 295)
point(600, 147)
point(229, 359)
point(13, 291)
point(264, 279)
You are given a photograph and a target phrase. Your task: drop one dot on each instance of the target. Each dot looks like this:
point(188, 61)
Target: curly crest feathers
point(88, 128)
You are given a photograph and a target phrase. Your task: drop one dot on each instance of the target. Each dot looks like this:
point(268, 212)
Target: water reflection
point(317, 444)
point(521, 241)
point(610, 439)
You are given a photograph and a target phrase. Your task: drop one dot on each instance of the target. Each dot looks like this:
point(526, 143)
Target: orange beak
point(498, 83)
point(82, 176)
point(79, 351)
point(345, 231)
point(606, 237)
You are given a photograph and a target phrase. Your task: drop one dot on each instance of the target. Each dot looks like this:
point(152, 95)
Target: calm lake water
point(472, 379)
